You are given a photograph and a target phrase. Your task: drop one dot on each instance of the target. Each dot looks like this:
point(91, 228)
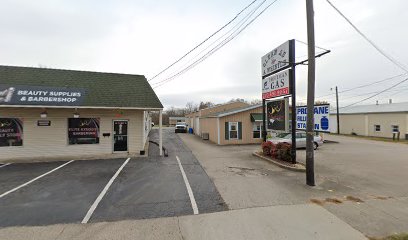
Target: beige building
point(174, 120)
point(234, 123)
point(61, 114)
point(378, 120)
point(193, 119)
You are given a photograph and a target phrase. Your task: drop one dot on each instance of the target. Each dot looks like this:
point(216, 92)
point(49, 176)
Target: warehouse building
point(377, 120)
point(174, 120)
point(64, 114)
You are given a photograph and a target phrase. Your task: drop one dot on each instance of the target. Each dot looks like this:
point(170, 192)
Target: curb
point(295, 169)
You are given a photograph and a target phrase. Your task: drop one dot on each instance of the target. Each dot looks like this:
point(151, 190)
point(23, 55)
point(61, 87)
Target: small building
point(174, 120)
point(193, 119)
point(230, 124)
point(377, 120)
point(64, 114)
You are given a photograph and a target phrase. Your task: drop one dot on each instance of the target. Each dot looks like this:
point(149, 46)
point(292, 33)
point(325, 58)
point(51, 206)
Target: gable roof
point(374, 108)
point(104, 90)
point(234, 111)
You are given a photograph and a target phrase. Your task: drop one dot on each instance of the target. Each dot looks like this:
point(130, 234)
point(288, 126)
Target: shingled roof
point(110, 90)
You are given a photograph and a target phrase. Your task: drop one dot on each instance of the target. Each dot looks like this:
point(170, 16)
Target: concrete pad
point(304, 222)
point(151, 229)
point(374, 219)
point(31, 233)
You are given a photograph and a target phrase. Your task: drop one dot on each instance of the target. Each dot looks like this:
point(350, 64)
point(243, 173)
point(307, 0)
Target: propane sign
point(321, 117)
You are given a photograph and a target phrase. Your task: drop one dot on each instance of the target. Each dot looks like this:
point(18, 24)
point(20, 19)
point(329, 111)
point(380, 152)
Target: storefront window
point(83, 131)
point(256, 129)
point(11, 132)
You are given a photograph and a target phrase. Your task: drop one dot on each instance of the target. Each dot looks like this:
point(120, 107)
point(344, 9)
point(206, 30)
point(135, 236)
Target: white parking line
point(6, 164)
point(35, 179)
point(190, 192)
point(102, 194)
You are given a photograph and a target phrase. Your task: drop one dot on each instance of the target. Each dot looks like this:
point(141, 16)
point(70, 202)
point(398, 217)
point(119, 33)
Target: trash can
point(190, 130)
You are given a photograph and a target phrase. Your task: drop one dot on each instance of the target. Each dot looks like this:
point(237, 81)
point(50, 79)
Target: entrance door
point(120, 135)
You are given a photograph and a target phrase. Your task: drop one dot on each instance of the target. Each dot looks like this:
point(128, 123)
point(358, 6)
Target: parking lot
point(107, 190)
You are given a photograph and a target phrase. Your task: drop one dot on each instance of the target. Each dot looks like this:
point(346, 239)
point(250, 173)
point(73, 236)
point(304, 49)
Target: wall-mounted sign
point(44, 96)
point(277, 85)
point(11, 132)
point(276, 114)
point(276, 59)
point(321, 117)
point(43, 123)
point(83, 130)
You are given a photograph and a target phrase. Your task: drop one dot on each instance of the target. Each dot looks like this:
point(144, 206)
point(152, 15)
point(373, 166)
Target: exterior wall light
point(44, 114)
point(76, 115)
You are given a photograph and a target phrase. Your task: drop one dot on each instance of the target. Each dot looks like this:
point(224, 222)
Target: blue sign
point(321, 118)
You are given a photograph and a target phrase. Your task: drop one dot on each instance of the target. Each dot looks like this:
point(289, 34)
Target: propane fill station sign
point(321, 118)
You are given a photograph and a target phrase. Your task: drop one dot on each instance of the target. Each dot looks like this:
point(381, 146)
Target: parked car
point(181, 127)
point(300, 139)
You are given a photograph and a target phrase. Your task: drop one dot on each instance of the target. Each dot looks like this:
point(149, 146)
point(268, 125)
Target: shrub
point(284, 151)
point(266, 148)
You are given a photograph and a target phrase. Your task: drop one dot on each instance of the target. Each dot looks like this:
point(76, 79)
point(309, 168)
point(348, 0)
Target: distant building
point(174, 120)
point(377, 120)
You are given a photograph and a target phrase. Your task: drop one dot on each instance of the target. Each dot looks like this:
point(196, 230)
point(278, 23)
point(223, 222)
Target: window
point(11, 132)
point(257, 129)
point(83, 131)
point(233, 130)
point(377, 128)
point(395, 128)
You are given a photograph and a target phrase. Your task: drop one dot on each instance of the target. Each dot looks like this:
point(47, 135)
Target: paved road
point(146, 188)
point(375, 172)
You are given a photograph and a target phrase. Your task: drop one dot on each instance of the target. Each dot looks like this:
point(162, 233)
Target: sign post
point(279, 81)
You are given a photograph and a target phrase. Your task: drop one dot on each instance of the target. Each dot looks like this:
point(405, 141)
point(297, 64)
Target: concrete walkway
point(355, 181)
point(304, 222)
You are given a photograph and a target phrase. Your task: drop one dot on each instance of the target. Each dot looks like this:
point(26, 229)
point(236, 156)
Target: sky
point(144, 37)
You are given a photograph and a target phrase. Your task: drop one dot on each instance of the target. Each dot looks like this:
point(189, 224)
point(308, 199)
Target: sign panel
point(11, 132)
point(277, 85)
point(276, 59)
point(276, 115)
point(83, 130)
point(44, 96)
point(321, 117)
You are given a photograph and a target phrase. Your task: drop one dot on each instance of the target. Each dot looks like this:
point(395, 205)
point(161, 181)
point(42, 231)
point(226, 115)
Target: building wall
point(247, 128)
point(52, 141)
point(209, 125)
point(363, 124)
point(173, 122)
point(385, 120)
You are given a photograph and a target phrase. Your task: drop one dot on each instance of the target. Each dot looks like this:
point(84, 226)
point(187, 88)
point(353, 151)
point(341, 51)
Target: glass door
point(120, 135)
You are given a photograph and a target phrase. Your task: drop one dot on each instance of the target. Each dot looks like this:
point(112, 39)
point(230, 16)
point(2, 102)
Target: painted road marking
point(190, 192)
point(6, 164)
point(102, 194)
point(35, 179)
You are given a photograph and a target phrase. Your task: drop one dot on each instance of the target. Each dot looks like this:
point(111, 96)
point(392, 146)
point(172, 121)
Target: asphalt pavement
point(33, 194)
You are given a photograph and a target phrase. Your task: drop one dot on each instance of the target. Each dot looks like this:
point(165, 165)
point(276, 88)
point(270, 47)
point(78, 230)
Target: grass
point(382, 139)
point(401, 236)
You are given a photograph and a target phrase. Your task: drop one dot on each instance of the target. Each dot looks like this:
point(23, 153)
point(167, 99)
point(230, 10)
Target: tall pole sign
point(278, 80)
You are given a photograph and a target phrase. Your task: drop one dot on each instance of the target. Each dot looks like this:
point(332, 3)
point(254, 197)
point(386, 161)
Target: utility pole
point(337, 107)
point(310, 178)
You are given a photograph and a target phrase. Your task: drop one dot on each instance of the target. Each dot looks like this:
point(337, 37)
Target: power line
point(178, 60)
point(212, 51)
point(365, 85)
point(377, 93)
point(394, 61)
point(239, 24)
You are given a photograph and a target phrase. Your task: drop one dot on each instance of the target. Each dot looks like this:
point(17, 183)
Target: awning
point(256, 117)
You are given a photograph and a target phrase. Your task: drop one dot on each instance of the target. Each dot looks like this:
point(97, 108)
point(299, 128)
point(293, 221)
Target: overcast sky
point(143, 37)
